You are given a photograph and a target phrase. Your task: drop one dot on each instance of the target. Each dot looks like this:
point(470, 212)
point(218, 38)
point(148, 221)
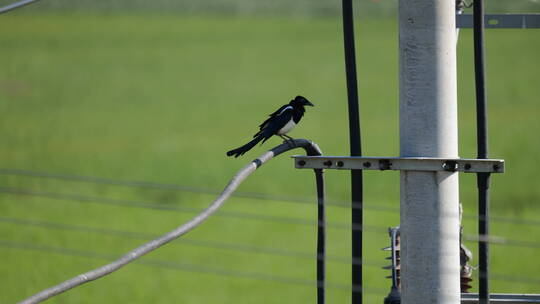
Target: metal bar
point(15, 5)
point(483, 150)
point(400, 164)
point(472, 298)
point(522, 21)
point(355, 147)
point(429, 205)
point(321, 238)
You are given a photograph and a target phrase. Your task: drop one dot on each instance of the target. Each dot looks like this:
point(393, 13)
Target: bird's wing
point(276, 113)
point(275, 122)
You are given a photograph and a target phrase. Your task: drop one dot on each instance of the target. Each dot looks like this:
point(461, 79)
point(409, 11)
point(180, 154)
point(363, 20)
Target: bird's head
point(301, 101)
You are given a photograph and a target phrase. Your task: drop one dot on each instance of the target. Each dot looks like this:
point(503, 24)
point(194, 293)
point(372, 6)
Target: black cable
point(321, 238)
point(321, 231)
point(355, 144)
point(483, 179)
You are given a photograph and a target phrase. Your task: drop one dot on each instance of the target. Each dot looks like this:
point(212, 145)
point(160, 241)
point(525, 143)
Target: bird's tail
point(243, 149)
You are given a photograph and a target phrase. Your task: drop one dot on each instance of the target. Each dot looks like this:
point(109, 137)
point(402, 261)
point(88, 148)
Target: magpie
point(279, 123)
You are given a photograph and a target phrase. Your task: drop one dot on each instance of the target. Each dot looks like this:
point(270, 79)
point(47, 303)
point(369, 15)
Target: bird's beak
point(309, 103)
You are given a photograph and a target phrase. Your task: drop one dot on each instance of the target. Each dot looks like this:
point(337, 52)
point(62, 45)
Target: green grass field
point(160, 98)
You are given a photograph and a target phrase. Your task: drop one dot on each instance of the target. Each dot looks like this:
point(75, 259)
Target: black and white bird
point(279, 123)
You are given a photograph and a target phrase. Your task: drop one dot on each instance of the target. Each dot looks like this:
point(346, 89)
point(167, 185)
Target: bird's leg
point(287, 139)
point(287, 136)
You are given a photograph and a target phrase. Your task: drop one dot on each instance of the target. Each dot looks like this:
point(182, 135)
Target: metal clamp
point(400, 163)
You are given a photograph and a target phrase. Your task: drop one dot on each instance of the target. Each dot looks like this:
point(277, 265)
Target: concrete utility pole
point(428, 128)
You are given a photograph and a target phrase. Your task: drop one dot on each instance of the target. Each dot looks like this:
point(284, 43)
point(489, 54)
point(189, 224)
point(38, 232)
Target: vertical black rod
point(321, 237)
point(355, 148)
point(482, 146)
point(483, 231)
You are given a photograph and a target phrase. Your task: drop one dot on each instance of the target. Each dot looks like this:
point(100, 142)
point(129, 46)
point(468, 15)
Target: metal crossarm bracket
point(501, 298)
point(399, 163)
point(523, 21)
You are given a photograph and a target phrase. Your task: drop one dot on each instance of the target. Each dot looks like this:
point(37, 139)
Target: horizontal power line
point(513, 278)
point(236, 246)
point(242, 215)
point(182, 209)
point(173, 187)
point(182, 266)
point(251, 195)
point(184, 241)
point(216, 245)
point(493, 239)
point(224, 272)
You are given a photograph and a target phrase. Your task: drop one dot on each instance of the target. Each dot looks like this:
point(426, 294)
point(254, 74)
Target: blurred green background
point(157, 92)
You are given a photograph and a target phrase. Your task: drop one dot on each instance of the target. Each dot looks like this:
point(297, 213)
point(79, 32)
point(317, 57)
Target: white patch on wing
point(286, 108)
point(286, 128)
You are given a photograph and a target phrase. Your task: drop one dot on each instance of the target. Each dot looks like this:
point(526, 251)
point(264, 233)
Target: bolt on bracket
point(399, 163)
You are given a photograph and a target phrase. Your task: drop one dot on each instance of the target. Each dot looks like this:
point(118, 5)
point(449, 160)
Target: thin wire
point(512, 278)
point(497, 240)
point(178, 266)
point(240, 247)
point(233, 246)
point(242, 215)
point(517, 221)
point(250, 195)
point(173, 187)
point(217, 245)
point(167, 207)
point(184, 241)
point(224, 272)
